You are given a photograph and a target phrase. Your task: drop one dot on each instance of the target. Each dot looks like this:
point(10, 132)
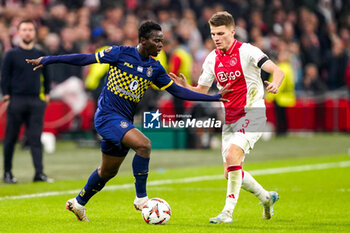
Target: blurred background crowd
point(314, 34)
point(311, 37)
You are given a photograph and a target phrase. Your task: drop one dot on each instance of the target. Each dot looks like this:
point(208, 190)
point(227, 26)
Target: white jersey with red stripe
point(240, 68)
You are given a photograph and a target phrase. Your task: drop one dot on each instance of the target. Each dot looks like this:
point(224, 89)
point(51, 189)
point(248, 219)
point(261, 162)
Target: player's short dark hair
point(146, 28)
point(222, 18)
point(26, 21)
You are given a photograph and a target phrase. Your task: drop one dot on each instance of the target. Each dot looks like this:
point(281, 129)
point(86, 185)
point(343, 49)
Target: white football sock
point(234, 183)
point(251, 185)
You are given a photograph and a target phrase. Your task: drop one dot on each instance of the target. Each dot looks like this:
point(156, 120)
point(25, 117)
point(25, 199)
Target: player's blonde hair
point(222, 18)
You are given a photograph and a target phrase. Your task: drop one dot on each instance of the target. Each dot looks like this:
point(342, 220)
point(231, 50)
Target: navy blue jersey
point(128, 78)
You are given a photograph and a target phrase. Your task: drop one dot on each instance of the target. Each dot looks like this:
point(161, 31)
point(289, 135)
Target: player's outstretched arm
point(72, 59)
point(277, 77)
point(181, 81)
point(36, 63)
point(187, 94)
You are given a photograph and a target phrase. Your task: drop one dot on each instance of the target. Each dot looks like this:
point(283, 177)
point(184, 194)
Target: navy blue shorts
point(112, 129)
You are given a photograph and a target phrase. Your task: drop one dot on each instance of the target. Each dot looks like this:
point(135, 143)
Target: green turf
point(70, 162)
point(311, 201)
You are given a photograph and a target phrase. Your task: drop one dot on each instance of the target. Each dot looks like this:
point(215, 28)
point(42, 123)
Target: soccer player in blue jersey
point(132, 70)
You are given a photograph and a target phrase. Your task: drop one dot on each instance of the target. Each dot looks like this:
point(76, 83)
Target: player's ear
point(143, 40)
point(233, 30)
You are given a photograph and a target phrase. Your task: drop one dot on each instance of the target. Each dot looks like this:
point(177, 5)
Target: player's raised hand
point(179, 80)
point(35, 62)
point(271, 87)
point(223, 92)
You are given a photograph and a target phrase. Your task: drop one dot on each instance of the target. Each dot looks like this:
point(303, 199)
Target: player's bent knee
point(234, 156)
point(144, 149)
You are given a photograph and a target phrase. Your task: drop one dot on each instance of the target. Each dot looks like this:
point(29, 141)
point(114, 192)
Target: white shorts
point(244, 133)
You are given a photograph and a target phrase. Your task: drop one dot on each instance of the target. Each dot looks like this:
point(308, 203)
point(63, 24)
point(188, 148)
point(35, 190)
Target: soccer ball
point(156, 211)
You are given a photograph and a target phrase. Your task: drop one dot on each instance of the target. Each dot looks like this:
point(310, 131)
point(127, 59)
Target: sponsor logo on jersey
point(121, 90)
point(223, 76)
point(128, 65)
point(134, 85)
point(220, 65)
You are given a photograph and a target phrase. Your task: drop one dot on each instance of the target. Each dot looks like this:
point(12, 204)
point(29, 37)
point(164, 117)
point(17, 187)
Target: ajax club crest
point(233, 61)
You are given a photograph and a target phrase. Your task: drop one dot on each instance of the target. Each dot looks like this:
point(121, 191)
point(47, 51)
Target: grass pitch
point(311, 174)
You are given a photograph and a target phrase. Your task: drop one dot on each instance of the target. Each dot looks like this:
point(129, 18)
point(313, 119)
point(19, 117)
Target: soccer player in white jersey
point(238, 65)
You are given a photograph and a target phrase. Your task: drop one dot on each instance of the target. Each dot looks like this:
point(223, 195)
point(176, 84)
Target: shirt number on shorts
point(244, 125)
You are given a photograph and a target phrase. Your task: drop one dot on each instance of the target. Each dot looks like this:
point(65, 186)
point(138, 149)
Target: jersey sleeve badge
point(149, 72)
point(124, 124)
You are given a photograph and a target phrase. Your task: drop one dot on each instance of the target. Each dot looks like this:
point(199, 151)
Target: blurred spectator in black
point(55, 46)
point(165, 20)
point(327, 35)
point(72, 4)
point(241, 30)
point(288, 34)
point(272, 12)
point(238, 8)
point(310, 43)
point(175, 7)
point(131, 28)
point(325, 11)
point(199, 58)
point(203, 25)
point(68, 46)
point(256, 20)
point(52, 45)
point(112, 24)
point(43, 33)
point(312, 83)
point(56, 20)
point(335, 64)
point(197, 6)
point(187, 28)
